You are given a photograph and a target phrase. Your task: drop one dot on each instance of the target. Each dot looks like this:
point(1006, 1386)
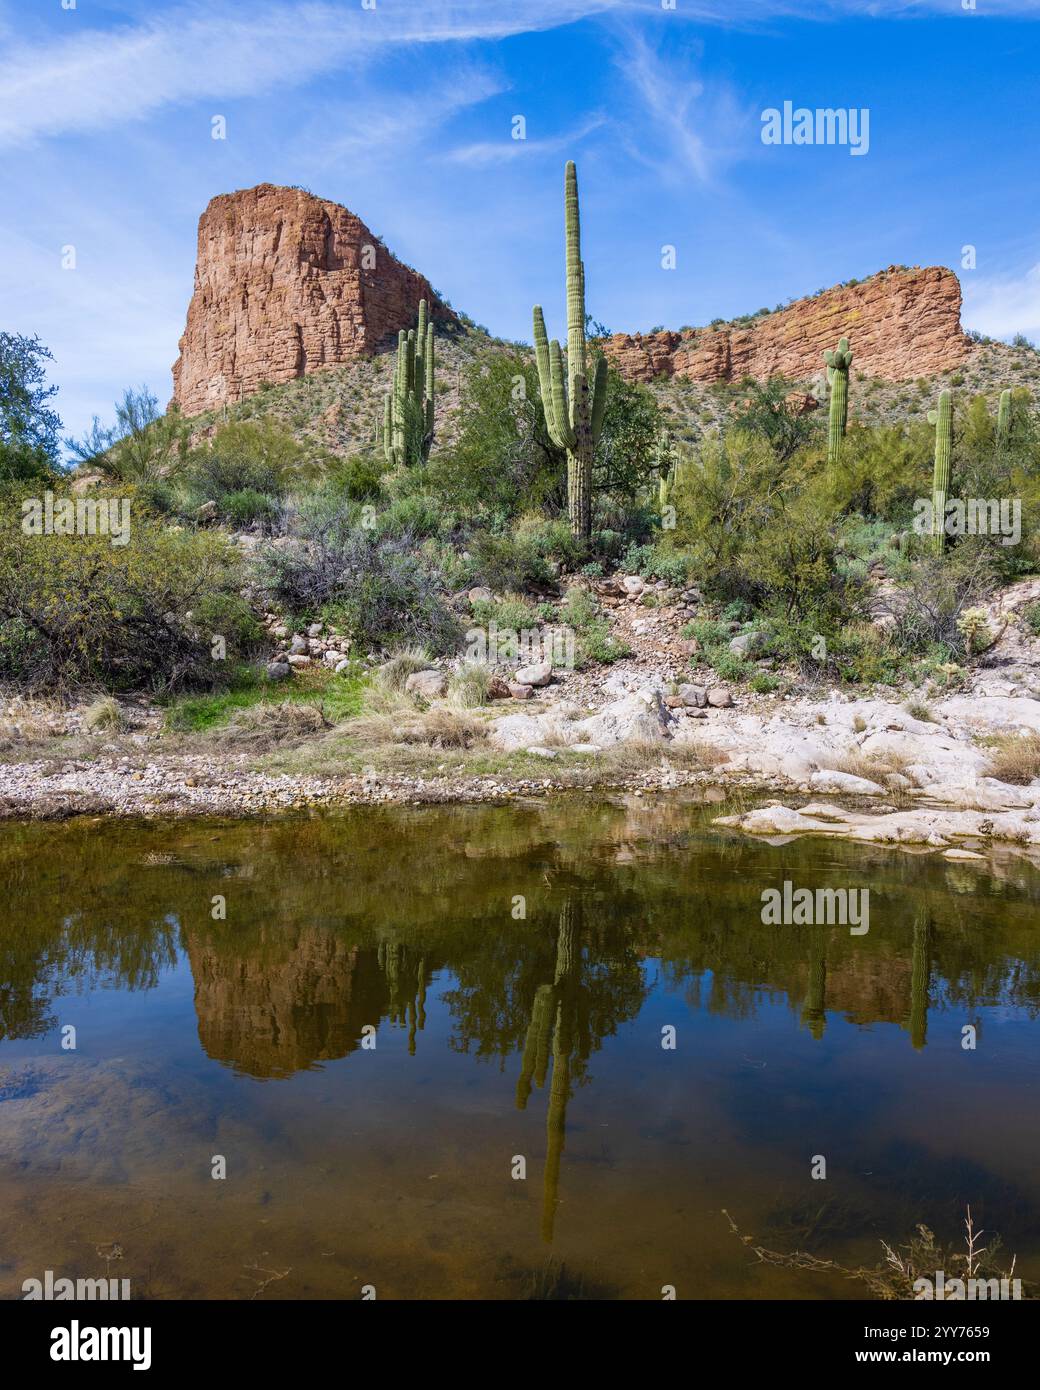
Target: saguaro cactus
point(1004, 410)
point(408, 408)
point(573, 409)
point(942, 419)
point(838, 361)
point(665, 469)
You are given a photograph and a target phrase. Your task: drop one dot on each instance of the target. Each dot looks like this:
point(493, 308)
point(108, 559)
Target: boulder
point(430, 685)
point(639, 716)
point(693, 696)
point(520, 692)
point(498, 689)
point(632, 584)
point(748, 644)
point(538, 674)
point(827, 780)
point(480, 595)
point(278, 670)
point(719, 697)
point(297, 659)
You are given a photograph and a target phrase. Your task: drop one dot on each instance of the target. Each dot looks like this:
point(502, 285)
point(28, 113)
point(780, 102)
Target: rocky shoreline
point(889, 776)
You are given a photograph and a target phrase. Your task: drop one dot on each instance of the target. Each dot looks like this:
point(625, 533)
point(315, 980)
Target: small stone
point(498, 689)
point(689, 646)
point(278, 670)
point(297, 659)
point(298, 645)
point(315, 629)
point(480, 595)
point(719, 697)
point(632, 584)
point(520, 692)
point(541, 752)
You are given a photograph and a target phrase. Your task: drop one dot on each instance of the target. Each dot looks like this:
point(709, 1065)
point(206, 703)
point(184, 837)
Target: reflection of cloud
point(1001, 306)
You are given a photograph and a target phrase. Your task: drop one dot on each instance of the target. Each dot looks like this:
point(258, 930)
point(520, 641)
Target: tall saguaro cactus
point(942, 419)
point(408, 408)
point(1004, 420)
point(838, 361)
point(573, 408)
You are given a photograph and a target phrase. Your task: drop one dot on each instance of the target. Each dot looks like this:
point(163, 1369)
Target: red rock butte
point(901, 323)
point(286, 284)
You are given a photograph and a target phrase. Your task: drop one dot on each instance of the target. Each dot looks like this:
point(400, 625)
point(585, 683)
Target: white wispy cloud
point(499, 151)
point(98, 79)
point(687, 126)
point(1001, 306)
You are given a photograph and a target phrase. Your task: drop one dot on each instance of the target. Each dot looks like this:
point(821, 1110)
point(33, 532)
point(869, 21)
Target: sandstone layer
point(286, 284)
point(902, 323)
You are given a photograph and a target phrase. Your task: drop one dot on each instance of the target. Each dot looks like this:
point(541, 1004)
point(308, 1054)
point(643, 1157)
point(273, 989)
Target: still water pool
point(518, 1127)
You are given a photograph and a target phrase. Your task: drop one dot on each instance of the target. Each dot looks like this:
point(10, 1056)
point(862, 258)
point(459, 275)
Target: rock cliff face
point(901, 323)
point(285, 284)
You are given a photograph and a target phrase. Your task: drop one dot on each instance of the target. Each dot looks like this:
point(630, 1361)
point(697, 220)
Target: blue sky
point(404, 113)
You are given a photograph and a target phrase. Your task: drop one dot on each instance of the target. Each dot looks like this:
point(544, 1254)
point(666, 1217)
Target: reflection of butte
point(282, 999)
point(553, 1013)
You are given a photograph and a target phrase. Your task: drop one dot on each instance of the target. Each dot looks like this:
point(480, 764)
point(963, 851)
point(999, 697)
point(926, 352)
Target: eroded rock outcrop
point(902, 323)
point(285, 284)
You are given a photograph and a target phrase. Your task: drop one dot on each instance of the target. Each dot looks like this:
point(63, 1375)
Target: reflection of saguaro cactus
point(920, 970)
point(552, 1017)
point(573, 409)
point(942, 419)
point(1004, 410)
point(406, 1002)
point(408, 408)
point(814, 1013)
point(838, 361)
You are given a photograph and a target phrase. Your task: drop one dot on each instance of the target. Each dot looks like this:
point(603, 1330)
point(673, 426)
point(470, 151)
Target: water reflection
point(402, 922)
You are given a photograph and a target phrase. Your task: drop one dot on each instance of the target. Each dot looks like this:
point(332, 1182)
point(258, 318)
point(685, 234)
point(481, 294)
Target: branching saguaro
point(408, 408)
point(573, 408)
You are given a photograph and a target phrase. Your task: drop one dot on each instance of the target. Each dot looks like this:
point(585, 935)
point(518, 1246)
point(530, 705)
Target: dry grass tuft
point(105, 714)
point(438, 727)
point(638, 755)
point(269, 725)
point(400, 665)
point(1015, 758)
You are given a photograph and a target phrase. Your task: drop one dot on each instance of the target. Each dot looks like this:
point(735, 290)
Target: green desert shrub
point(382, 590)
point(77, 611)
